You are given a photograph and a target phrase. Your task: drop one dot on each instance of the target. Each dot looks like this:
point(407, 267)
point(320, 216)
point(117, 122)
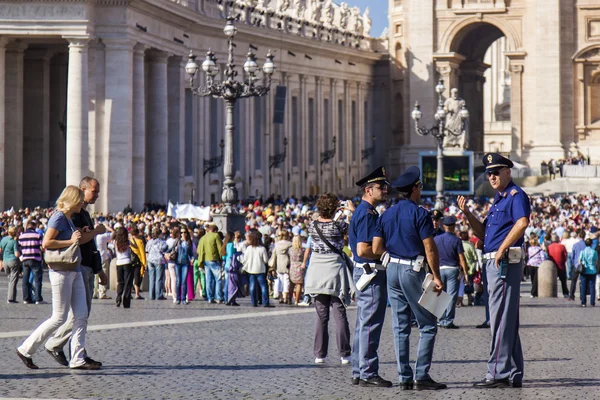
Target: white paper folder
point(431, 301)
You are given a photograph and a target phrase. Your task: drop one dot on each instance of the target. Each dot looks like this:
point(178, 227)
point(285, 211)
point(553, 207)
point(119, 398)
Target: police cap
point(377, 176)
point(408, 179)
point(450, 220)
point(494, 161)
point(437, 214)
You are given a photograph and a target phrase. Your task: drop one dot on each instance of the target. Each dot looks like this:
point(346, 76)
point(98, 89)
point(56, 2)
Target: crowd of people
point(186, 260)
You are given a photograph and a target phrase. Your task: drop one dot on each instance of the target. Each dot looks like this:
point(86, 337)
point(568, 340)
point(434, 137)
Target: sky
point(379, 12)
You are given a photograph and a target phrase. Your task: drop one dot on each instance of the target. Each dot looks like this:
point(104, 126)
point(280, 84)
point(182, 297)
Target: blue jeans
point(449, 277)
point(181, 271)
point(214, 282)
point(33, 292)
point(226, 287)
point(404, 291)
point(587, 286)
point(156, 276)
point(260, 279)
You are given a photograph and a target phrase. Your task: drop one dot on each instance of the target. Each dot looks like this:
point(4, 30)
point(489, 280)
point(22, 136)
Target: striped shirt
point(31, 242)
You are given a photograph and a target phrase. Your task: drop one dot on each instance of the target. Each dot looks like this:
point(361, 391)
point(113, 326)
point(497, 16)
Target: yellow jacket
point(139, 250)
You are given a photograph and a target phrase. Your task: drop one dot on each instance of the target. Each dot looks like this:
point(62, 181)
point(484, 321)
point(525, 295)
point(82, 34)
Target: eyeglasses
point(494, 173)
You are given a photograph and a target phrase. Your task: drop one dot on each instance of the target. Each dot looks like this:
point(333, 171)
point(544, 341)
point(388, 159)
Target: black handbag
point(344, 256)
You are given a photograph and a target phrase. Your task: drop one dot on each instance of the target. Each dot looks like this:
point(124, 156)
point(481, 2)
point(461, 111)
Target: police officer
point(371, 300)
point(406, 232)
point(437, 216)
point(452, 261)
point(503, 229)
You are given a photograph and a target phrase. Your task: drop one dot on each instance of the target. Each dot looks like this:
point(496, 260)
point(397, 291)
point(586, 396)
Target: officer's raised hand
point(462, 204)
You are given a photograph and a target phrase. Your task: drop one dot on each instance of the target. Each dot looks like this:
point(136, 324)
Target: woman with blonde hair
point(297, 268)
point(10, 259)
point(68, 290)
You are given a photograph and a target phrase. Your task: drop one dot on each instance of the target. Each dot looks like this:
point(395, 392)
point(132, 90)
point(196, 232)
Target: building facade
point(98, 87)
point(528, 70)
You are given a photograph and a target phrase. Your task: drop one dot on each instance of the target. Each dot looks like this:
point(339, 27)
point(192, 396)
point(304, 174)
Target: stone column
point(318, 125)
point(3, 43)
point(286, 167)
point(176, 128)
point(36, 127)
point(333, 132)
point(118, 186)
point(13, 148)
point(363, 143)
point(77, 111)
point(157, 120)
point(58, 113)
point(347, 132)
point(94, 49)
point(303, 130)
point(138, 196)
point(516, 103)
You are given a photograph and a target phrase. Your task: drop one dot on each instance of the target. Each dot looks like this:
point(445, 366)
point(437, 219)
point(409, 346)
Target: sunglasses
point(494, 173)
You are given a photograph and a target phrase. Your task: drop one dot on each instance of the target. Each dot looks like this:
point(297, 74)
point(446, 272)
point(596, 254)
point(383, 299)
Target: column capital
point(119, 44)
point(4, 41)
point(140, 49)
point(16, 47)
point(80, 42)
point(318, 80)
point(158, 56)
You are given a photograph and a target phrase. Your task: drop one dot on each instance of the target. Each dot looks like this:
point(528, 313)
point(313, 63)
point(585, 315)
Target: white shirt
point(255, 260)
point(102, 245)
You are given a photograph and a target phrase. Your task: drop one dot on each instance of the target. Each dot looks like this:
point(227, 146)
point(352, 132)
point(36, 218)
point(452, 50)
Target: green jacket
point(9, 247)
point(471, 257)
point(209, 247)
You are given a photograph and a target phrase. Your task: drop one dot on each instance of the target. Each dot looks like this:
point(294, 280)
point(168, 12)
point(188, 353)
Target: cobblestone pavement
point(205, 351)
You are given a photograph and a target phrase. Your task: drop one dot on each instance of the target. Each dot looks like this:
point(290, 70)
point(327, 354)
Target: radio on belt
point(418, 264)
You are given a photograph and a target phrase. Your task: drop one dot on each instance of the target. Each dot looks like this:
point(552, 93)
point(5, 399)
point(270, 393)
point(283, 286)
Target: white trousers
point(281, 284)
point(68, 292)
point(173, 275)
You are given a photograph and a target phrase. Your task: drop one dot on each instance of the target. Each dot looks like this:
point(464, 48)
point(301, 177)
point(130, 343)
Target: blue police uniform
point(449, 249)
point(371, 302)
point(506, 355)
point(403, 228)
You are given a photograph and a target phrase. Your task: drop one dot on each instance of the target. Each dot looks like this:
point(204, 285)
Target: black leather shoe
point(375, 381)
point(92, 361)
point(87, 366)
point(59, 357)
point(485, 325)
point(451, 326)
point(27, 361)
point(355, 381)
point(492, 384)
point(429, 384)
point(407, 385)
point(517, 384)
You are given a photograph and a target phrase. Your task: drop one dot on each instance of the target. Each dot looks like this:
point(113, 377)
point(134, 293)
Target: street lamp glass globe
point(250, 65)
point(440, 87)
point(440, 114)
point(191, 67)
point(416, 114)
point(230, 30)
point(269, 66)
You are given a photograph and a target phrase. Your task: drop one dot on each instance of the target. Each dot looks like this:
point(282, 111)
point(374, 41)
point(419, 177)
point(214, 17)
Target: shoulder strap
point(327, 242)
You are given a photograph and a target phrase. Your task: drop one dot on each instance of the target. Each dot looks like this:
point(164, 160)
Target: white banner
point(188, 211)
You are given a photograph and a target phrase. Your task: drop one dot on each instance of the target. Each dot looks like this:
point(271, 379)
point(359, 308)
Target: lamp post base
point(230, 222)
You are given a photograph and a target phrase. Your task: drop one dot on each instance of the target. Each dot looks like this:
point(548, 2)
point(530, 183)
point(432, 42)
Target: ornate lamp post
point(440, 132)
point(368, 152)
point(278, 158)
point(215, 162)
point(328, 154)
point(230, 91)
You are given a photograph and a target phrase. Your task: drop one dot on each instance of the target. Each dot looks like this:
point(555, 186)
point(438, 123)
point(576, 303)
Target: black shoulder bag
point(345, 258)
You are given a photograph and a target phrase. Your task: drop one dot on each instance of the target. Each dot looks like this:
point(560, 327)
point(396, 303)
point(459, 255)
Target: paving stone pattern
point(270, 357)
